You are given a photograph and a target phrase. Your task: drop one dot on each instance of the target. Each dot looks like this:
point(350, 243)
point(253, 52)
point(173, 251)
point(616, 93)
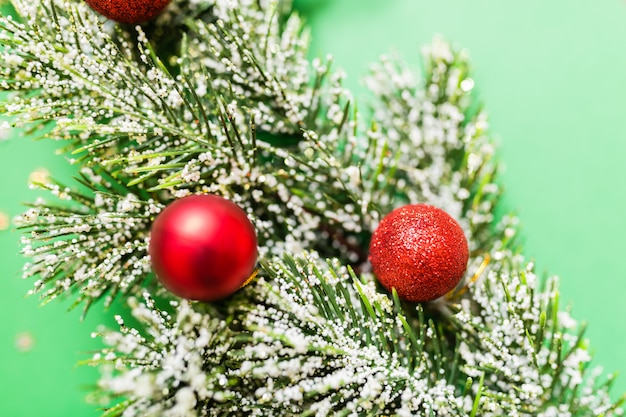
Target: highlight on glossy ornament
point(128, 11)
point(419, 250)
point(203, 247)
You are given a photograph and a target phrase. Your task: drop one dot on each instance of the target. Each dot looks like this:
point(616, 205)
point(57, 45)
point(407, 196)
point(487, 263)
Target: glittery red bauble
point(203, 247)
point(420, 251)
point(128, 11)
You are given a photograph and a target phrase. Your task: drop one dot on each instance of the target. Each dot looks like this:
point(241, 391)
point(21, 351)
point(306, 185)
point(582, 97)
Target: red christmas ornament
point(203, 247)
point(128, 11)
point(420, 251)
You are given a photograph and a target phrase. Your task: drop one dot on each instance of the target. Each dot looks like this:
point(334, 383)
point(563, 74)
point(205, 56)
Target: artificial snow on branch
point(311, 338)
point(218, 97)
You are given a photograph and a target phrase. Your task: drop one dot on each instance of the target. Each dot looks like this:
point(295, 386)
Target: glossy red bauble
point(128, 11)
point(420, 251)
point(203, 247)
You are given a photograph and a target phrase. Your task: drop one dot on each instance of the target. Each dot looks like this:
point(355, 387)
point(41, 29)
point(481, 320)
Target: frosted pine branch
point(231, 106)
point(110, 94)
point(292, 353)
point(93, 243)
point(531, 354)
point(436, 139)
point(309, 338)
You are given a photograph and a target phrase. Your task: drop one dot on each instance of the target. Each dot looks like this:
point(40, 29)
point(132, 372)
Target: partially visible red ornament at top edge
point(128, 11)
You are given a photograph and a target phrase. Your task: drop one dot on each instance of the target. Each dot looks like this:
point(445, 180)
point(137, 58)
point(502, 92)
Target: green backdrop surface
point(552, 76)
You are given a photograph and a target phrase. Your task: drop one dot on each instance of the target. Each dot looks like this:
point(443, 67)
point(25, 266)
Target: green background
point(552, 76)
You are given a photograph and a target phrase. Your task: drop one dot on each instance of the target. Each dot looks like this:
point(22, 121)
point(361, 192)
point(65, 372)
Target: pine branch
point(434, 137)
point(92, 242)
point(234, 108)
point(131, 102)
point(186, 131)
point(310, 339)
point(530, 352)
